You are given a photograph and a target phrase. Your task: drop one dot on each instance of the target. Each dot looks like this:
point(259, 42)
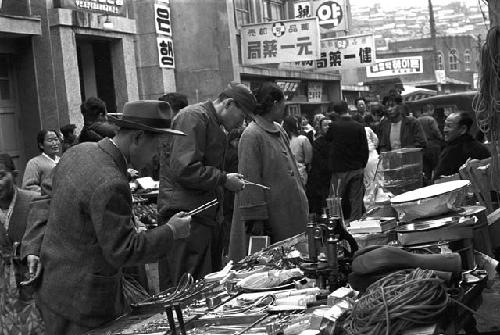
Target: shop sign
point(162, 19)
point(440, 76)
point(302, 9)
point(289, 87)
point(163, 27)
point(113, 7)
point(166, 52)
point(342, 53)
point(332, 14)
point(395, 66)
point(314, 90)
point(280, 41)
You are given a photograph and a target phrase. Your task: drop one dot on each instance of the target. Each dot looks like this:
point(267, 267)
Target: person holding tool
point(194, 175)
point(274, 203)
point(90, 234)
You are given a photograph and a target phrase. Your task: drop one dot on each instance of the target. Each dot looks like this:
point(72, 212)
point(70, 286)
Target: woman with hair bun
point(265, 158)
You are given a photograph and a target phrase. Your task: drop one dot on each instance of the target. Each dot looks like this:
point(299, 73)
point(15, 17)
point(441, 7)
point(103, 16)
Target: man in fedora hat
point(90, 234)
point(192, 174)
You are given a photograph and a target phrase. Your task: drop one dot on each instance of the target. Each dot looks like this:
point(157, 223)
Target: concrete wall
point(202, 48)
point(153, 81)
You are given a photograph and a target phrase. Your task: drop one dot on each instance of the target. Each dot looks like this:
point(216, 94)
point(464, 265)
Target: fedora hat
point(149, 115)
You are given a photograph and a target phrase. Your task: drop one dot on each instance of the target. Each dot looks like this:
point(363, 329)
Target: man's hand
point(180, 224)
point(34, 267)
point(234, 182)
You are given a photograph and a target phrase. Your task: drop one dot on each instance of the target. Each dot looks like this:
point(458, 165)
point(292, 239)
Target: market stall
point(415, 273)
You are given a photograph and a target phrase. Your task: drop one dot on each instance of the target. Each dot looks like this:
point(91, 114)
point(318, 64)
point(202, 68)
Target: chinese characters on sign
point(288, 87)
point(314, 90)
point(164, 35)
point(342, 53)
point(114, 7)
point(395, 66)
point(278, 42)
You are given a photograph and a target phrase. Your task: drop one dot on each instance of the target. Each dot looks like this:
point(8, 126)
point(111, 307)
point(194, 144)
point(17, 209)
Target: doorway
point(95, 67)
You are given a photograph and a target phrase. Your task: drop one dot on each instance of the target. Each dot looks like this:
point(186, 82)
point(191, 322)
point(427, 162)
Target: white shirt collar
point(55, 160)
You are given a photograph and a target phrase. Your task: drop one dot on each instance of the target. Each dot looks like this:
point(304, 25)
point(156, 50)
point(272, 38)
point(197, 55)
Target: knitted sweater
point(37, 169)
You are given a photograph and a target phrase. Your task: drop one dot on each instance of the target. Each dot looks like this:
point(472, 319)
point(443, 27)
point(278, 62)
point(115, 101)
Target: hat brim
point(139, 126)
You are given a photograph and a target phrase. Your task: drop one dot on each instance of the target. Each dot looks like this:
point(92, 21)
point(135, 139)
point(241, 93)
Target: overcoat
point(265, 158)
point(89, 236)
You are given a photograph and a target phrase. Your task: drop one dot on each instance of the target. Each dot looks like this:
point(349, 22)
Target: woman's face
point(51, 143)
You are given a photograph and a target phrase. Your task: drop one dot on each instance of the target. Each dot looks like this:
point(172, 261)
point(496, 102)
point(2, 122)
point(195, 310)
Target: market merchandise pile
point(399, 301)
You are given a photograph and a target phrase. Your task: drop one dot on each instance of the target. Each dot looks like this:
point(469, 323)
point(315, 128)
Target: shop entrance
point(11, 141)
point(96, 71)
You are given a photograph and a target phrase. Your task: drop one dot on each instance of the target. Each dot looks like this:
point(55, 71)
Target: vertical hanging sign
point(163, 27)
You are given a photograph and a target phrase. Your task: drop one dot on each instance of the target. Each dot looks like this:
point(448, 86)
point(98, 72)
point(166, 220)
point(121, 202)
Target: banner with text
point(332, 15)
point(395, 66)
point(163, 27)
point(341, 53)
point(111, 7)
point(280, 41)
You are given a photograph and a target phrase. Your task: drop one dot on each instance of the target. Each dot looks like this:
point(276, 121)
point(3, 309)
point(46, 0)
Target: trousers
point(352, 191)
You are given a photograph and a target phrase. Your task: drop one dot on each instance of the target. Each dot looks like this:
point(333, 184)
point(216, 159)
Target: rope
point(397, 302)
point(486, 104)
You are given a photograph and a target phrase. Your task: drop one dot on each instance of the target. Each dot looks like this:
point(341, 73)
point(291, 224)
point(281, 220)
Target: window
point(273, 10)
point(467, 59)
point(453, 60)
point(242, 12)
point(440, 61)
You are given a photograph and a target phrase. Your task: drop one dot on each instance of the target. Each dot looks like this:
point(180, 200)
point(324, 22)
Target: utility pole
point(432, 23)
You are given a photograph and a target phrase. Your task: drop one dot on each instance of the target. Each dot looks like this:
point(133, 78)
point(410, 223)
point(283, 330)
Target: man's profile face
point(452, 129)
point(144, 153)
point(6, 182)
point(232, 116)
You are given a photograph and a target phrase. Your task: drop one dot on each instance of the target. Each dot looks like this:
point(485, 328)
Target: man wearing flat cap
point(193, 174)
point(89, 235)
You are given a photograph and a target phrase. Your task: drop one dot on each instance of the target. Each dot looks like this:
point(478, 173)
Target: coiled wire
point(399, 301)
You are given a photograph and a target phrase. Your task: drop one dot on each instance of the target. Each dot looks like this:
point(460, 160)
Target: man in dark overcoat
point(90, 234)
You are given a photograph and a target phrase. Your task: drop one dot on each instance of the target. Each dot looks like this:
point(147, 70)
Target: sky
point(405, 3)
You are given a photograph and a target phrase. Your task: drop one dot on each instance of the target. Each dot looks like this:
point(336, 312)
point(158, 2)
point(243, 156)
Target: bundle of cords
point(397, 302)
point(486, 103)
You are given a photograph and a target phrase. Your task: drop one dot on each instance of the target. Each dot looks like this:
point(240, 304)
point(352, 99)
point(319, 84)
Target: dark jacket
point(17, 227)
point(456, 153)
point(97, 131)
point(318, 182)
point(191, 172)
point(89, 236)
point(412, 134)
point(348, 145)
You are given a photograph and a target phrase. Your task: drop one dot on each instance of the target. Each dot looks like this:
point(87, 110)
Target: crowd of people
point(70, 230)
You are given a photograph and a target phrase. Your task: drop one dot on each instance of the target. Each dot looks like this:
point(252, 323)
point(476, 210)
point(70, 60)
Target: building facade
point(56, 53)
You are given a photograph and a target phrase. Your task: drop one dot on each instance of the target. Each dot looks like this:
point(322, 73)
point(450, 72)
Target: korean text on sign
point(278, 42)
point(395, 66)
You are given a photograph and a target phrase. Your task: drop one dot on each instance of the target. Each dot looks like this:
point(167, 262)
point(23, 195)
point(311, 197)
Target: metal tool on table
point(247, 182)
point(180, 319)
point(325, 233)
point(203, 207)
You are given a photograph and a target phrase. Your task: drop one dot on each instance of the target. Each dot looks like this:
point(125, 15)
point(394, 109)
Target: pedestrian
point(300, 145)
point(400, 131)
point(460, 145)
point(434, 142)
point(69, 136)
point(40, 167)
point(95, 121)
point(177, 101)
point(347, 161)
point(90, 235)
point(318, 182)
point(194, 175)
point(265, 158)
